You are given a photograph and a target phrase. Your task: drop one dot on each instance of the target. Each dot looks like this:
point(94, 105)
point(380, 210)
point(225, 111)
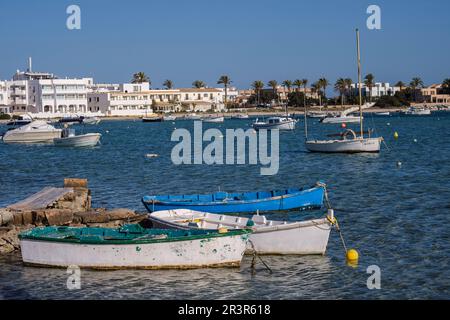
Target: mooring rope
point(255, 254)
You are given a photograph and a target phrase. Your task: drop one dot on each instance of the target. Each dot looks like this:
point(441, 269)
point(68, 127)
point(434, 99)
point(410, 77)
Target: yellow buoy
point(395, 135)
point(222, 230)
point(352, 255)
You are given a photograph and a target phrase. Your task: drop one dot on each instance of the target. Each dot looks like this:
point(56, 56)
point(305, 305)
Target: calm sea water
point(397, 217)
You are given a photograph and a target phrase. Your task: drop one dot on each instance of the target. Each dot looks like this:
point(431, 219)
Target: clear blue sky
point(248, 40)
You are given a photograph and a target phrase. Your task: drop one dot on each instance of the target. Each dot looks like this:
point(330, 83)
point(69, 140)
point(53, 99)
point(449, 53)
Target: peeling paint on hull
point(166, 255)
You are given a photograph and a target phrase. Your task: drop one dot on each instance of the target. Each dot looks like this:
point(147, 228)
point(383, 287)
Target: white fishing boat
point(241, 116)
point(132, 246)
point(69, 139)
point(268, 236)
point(36, 131)
point(340, 119)
point(418, 111)
point(213, 119)
point(169, 118)
point(91, 120)
point(272, 123)
point(349, 142)
point(192, 116)
point(316, 115)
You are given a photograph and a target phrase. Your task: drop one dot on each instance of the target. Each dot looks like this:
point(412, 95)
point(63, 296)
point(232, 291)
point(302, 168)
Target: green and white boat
point(132, 246)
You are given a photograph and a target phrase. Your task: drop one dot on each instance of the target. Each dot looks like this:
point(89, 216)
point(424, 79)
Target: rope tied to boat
point(256, 255)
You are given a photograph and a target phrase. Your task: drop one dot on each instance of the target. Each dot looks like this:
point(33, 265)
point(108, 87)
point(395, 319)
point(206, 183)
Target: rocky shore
point(52, 206)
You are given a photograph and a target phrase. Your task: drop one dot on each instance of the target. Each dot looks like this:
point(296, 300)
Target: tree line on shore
point(298, 94)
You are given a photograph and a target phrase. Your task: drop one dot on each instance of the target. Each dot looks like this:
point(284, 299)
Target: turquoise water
point(397, 217)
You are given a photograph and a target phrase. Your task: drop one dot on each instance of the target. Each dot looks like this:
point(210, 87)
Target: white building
point(4, 101)
point(135, 100)
point(378, 90)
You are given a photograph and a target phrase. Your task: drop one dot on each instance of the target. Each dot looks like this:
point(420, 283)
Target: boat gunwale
point(234, 232)
point(230, 202)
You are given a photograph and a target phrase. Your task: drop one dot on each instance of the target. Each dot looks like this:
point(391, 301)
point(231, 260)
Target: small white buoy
point(388, 123)
point(399, 163)
point(152, 155)
point(415, 140)
point(107, 131)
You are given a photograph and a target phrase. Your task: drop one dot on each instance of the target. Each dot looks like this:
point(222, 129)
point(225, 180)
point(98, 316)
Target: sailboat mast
point(359, 84)
point(306, 123)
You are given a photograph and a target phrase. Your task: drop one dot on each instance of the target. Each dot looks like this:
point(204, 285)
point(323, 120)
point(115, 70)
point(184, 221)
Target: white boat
point(241, 116)
point(418, 111)
point(20, 120)
point(192, 116)
point(213, 119)
point(36, 131)
point(349, 142)
point(272, 123)
point(268, 236)
point(91, 120)
point(169, 118)
point(132, 247)
point(318, 115)
point(340, 119)
point(69, 139)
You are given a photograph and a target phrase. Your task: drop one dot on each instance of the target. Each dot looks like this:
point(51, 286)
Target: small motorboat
point(418, 111)
point(132, 246)
point(316, 115)
point(20, 121)
point(37, 131)
point(69, 139)
point(349, 142)
point(340, 119)
point(152, 119)
point(192, 116)
point(272, 123)
point(382, 113)
point(224, 202)
point(268, 236)
point(71, 119)
point(241, 116)
point(91, 120)
point(169, 118)
point(213, 119)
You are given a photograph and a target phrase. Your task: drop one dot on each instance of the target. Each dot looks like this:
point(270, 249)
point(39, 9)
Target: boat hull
point(214, 120)
point(298, 238)
point(31, 136)
point(369, 145)
point(339, 120)
point(86, 140)
point(288, 125)
point(155, 119)
point(311, 198)
point(198, 253)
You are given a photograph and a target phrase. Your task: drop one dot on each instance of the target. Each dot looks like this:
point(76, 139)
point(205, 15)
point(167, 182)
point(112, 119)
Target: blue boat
point(223, 202)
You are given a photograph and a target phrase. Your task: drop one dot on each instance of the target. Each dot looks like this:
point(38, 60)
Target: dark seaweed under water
point(397, 217)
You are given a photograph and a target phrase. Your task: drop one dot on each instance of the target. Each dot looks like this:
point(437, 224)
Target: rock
point(75, 183)
point(27, 217)
point(18, 218)
point(110, 224)
point(39, 217)
point(120, 214)
point(92, 217)
point(5, 247)
point(6, 217)
point(58, 217)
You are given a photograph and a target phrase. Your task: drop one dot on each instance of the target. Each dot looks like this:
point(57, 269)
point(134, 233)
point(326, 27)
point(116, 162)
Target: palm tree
point(198, 84)
point(446, 84)
point(287, 84)
point(315, 87)
point(369, 82)
point(168, 84)
point(415, 84)
point(298, 83)
point(305, 84)
point(340, 86)
point(348, 86)
point(140, 77)
point(274, 85)
point(400, 84)
point(226, 81)
point(257, 85)
point(324, 83)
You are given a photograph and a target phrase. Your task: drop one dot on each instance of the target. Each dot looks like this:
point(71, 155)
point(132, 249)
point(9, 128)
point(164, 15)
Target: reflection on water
point(396, 217)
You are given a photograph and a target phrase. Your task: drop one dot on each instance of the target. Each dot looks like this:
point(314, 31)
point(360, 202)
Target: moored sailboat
point(349, 142)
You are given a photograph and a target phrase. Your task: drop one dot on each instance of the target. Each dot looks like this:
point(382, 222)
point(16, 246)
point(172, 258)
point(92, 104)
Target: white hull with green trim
point(195, 251)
